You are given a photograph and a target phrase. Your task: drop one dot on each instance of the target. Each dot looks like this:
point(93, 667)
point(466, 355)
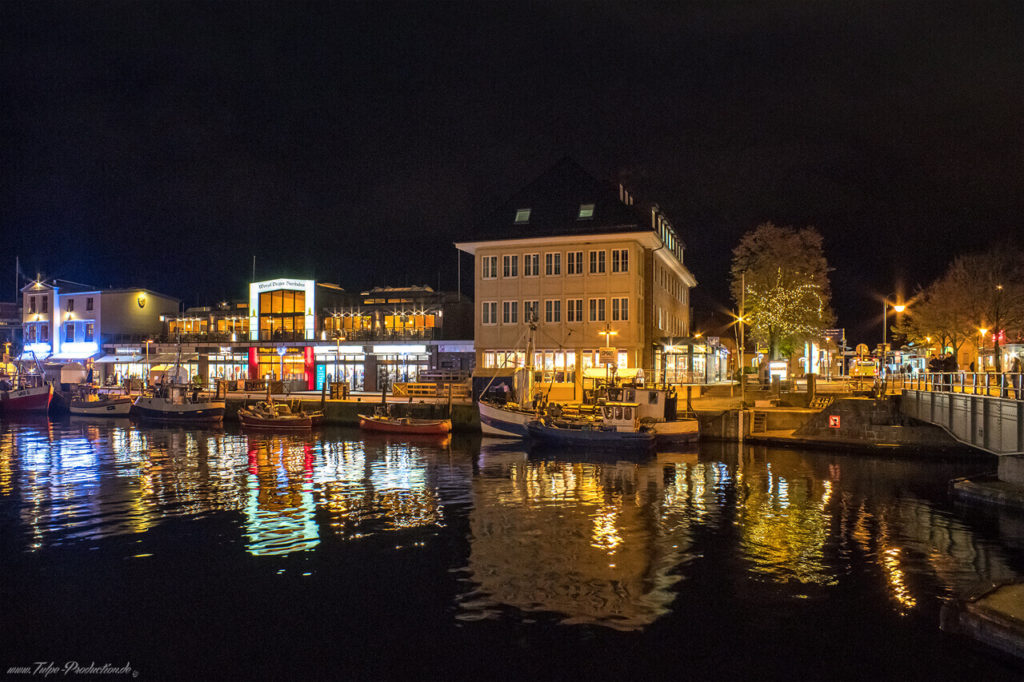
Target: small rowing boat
point(404, 425)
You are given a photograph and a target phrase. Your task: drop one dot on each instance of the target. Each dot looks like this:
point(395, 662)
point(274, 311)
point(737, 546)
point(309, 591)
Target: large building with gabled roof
point(592, 265)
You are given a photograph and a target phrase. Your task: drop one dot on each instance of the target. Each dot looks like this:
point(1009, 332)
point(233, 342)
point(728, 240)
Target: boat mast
point(532, 323)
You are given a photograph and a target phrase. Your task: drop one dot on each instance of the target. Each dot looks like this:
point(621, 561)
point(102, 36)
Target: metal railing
point(995, 384)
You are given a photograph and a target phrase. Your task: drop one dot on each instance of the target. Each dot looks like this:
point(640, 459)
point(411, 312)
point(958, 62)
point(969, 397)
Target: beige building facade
point(605, 273)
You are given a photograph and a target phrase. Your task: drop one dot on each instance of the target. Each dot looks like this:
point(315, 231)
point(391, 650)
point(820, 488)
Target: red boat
point(35, 399)
point(405, 425)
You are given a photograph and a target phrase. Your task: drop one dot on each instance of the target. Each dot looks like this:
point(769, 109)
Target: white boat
point(101, 406)
point(88, 401)
point(504, 419)
point(178, 404)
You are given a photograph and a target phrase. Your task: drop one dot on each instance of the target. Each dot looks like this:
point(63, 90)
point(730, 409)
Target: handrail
point(993, 384)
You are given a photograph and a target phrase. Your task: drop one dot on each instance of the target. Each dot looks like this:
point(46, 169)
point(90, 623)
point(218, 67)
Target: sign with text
point(606, 356)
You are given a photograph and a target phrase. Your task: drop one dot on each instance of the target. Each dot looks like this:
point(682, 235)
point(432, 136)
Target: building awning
point(71, 357)
point(168, 358)
point(119, 358)
point(622, 373)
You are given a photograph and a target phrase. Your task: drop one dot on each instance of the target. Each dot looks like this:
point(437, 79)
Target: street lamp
point(608, 333)
point(899, 308)
point(981, 344)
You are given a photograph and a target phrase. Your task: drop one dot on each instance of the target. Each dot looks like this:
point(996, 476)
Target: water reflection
point(595, 542)
point(582, 540)
point(89, 480)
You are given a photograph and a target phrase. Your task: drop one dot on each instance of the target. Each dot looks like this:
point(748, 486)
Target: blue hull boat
point(589, 436)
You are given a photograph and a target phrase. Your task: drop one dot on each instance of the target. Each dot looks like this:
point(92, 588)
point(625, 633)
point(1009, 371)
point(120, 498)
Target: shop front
point(293, 365)
point(691, 361)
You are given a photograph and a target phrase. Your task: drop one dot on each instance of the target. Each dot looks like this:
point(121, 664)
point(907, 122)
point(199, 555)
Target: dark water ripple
point(460, 547)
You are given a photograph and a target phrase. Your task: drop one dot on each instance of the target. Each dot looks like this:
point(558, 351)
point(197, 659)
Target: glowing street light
point(608, 333)
point(899, 308)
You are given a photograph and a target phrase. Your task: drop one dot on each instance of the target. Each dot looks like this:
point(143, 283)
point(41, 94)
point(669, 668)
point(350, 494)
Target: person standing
point(1015, 378)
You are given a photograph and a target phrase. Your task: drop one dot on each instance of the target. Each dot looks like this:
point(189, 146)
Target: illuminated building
point(591, 265)
point(303, 333)
point(65, 321)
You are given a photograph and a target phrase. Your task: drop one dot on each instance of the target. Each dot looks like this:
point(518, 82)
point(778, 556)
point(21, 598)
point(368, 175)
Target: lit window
point(586, 211)
point(523, 215)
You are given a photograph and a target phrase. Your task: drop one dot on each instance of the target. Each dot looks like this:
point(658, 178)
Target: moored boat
point(617, 427)
point(588, 435)
point(267, 414)
point(27, 393)
point(87, 401)
point(27, 400)
point(174, 405)
point(108, 406)
point(504, 421)
point(404, 425)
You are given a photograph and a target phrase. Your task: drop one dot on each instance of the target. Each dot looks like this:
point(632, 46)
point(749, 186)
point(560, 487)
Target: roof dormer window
point(586, 211)
point(522, 215)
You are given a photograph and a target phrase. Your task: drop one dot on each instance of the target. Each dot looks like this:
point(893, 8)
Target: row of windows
point(44, 304)
point(598, 310)
point(71, 305)
point(79, 332)
point(672, 284)
point(37, 333)
point(598, 262)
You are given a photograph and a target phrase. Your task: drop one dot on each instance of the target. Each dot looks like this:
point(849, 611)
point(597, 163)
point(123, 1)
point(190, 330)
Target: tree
point(994, 282)
point(784, 275)
point(978, 291)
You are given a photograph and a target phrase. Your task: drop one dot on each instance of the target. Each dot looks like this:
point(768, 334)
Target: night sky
point(167, 143)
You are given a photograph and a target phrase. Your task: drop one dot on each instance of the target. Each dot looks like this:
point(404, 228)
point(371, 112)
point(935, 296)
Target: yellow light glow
point(899, 308)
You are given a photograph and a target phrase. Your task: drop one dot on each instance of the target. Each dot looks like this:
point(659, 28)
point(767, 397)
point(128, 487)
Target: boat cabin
point(620, 416)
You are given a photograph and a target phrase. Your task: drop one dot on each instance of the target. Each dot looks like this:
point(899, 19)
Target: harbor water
point(218, 554)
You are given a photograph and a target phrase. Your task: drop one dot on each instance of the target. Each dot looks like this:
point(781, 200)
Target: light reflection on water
point(604, 541)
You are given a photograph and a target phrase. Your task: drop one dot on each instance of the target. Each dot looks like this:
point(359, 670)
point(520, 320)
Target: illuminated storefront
point(282, 310)
point(691, 361)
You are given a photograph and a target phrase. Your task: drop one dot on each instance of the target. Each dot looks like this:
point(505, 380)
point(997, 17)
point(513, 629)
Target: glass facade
point(282, 315)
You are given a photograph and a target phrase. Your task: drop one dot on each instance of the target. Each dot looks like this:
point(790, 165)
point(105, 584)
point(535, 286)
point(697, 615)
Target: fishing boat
point(27, 399)
point(29, 393)
point(504, 418)
point(268, 414)
point(178, 404)
point(89, 403)
point(618, 427)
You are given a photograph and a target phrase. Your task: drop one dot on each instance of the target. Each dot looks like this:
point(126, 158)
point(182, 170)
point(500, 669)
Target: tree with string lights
point(782, 275)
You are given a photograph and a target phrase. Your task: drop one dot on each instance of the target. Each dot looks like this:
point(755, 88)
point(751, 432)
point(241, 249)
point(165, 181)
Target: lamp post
point(981, 345)
point(608, 333)
point(899, 308)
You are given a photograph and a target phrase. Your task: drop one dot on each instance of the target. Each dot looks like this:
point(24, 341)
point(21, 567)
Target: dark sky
point(166, 143)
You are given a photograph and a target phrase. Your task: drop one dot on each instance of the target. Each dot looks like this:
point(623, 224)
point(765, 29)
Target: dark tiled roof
point(554, 201)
